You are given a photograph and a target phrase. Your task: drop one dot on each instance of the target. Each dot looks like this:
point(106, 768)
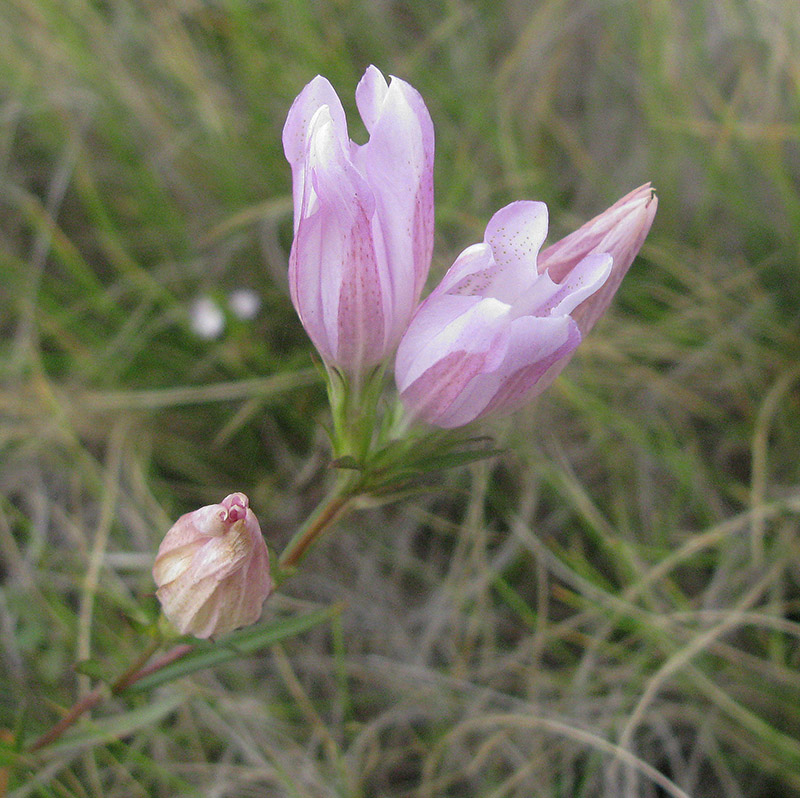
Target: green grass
point(610, 608)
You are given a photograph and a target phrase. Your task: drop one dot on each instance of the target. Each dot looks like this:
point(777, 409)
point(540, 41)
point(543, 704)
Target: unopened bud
point(212, 569)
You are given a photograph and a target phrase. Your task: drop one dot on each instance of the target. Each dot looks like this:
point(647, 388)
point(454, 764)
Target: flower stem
point(89, 701)
point(333, 507)
point(137, 671)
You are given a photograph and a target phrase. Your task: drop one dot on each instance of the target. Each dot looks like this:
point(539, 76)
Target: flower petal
point(514, 234)
point(468, 274)
point(449, 324)
point(619, 231)
point(535, 344)
point(397, 162)
point(546, 298)
point(334, 279)
point(297, 130)
point(370, 96)
point(470, 339)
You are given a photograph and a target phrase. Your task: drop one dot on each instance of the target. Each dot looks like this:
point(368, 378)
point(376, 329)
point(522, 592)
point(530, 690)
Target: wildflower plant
point(406, 380)
point(495, 332)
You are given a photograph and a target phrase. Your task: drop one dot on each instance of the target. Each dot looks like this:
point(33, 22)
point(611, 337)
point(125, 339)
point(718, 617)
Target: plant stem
point(137, 671)
point(89, 701)
point(175, 653)
point(331, 509)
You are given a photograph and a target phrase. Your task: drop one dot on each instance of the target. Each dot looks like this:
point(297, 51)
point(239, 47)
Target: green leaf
point(244, 642)
point(396, 468)
point(457, 458)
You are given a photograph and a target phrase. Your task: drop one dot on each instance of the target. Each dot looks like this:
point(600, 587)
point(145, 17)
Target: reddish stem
point(136, 672)
point(84, 705)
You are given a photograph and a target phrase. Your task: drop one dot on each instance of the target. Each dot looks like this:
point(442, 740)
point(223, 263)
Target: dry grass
point(608, 609)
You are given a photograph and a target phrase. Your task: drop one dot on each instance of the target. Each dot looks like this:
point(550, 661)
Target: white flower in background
point(206, 318)
point(244, 303)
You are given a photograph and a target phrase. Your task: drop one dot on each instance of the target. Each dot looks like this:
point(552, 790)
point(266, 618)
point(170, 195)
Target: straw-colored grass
point(610, 608)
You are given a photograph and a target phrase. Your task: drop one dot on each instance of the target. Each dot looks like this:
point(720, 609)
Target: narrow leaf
point(247, 641)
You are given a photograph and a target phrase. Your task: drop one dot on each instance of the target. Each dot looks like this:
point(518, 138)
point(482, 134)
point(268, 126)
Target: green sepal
point(354, 403)
point(404, 461)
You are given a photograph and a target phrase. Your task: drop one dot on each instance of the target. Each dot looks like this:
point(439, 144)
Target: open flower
point(500, 326)
point(363, 217)
point(212, 569)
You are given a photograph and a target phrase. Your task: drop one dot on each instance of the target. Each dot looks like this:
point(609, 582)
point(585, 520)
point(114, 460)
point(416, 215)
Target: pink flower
point(500, 326)
point(212, 569)
point(363, 217)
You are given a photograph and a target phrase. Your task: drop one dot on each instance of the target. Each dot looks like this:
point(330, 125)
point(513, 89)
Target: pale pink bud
point(363, 217)
point(620, 231)
point(212, 569)
point(498, 328)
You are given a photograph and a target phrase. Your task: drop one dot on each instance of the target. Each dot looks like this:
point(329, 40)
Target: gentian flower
point(503, 323)
point(363, 217)
point(212, 569)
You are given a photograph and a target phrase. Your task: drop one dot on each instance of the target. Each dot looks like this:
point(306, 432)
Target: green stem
point(333, 507)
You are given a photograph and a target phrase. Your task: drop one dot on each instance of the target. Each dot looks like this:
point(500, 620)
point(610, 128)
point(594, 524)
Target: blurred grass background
point(612, 607)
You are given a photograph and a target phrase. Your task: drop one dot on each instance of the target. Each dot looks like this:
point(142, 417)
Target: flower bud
point(212, 569)
point(363, 217)
point(499, 327)
point(620, 231)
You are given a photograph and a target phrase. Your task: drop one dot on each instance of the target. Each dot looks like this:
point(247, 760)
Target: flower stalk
point(338, 502)
point(137, 671)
